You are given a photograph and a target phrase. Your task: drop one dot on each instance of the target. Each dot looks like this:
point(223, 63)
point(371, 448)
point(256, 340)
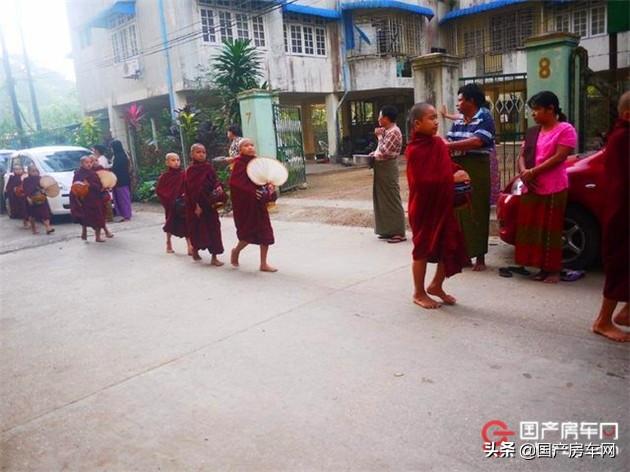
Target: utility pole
point(11, 89)
point(31, 86)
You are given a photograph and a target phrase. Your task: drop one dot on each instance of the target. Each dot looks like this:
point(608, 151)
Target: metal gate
point(288, 127)
point(507, 97)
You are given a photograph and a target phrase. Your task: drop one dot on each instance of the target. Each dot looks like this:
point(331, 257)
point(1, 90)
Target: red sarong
point(90, 210)
point(204, 231)
point(250, 214)
point(615, 240)
point(170, 188)
point(436, 235)
point(39, 212)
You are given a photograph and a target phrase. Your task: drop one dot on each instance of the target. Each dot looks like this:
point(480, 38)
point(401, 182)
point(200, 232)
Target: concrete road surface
point(119, 357)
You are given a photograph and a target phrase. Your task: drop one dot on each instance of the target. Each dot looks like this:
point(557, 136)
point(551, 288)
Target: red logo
point(496, 431)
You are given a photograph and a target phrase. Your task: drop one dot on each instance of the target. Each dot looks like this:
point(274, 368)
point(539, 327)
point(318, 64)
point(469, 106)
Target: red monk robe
point(37, 212)
point(17, 204)
point(436, 234)
point(250, 214)
point(615, 241)
point(199, 183)
point(170, 187)
point(88, 211)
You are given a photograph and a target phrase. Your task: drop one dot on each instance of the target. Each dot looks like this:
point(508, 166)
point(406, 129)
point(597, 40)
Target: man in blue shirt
point(471, 140)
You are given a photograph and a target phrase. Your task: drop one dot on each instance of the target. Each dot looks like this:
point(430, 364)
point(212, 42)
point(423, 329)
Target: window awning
point(327, 13)
point(120, 7)
point(387, 4)
point(493, 5)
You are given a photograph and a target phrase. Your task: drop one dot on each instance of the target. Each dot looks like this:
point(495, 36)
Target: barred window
point(259, 31)
point(296, 39)
point(309, 42)
point(562, 23)
point(242, 26)
point(124, 41)
point(225, 25)
point(509, 32)
point(598, 20)
point(580, 24)
point(473, 43)
point(320, 35)
point(207, 26)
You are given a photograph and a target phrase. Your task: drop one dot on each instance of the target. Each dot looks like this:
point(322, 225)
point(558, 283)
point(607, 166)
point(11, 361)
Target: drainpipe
point(345, 73)
point(169, 74)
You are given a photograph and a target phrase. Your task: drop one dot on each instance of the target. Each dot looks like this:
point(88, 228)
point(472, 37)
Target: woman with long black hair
point(122, 190)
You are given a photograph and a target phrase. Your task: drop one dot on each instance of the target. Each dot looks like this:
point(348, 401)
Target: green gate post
point(257, 120)
point(549, 68)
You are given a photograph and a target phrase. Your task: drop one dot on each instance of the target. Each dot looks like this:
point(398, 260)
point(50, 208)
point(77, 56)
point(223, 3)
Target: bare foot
point(99, 240)
point(553, 278)
point(479, 267)
point(425, 301)
point(611, 332)
point(440, 293)
point(267, 268)
point(109, 234)
point(84, 237)
point(623, 317)
point(196, 256)
point(169, 250)
point(35, 231)
point(540, 276)
point(216, 262)
point(234, 258)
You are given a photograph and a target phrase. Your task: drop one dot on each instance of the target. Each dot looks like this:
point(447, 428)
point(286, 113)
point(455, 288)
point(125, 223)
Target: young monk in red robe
point(89, 210)
point(615, 241)
point(436, 233)
point(36, 211)
point(203, 193)
point(170, 191)
point(14, 193)
point(105, 197)
point(249, 203)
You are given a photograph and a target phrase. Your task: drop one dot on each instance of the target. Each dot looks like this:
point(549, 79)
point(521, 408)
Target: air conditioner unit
point(131, 69)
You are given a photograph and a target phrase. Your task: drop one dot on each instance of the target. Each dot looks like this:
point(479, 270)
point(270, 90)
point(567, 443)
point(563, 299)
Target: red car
point(583, 218)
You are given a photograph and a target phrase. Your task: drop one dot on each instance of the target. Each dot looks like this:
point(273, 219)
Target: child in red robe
point(249, 203)
point(436, 233)
point(105, 194)
point(615, 229)
point(89, 210)
point(203, 194)
point(170, 191)
point(37, 208)
point(14, 194)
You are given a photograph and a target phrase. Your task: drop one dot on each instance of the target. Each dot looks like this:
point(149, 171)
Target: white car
point(59, 162)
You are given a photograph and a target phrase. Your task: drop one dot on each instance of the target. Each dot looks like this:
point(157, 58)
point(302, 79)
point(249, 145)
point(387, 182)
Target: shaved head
point(243, 142)
point(419, 110)
point(624, 103)
point(197, 145)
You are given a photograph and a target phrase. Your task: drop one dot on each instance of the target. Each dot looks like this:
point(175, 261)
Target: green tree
point(237, 68)
point(88, 133)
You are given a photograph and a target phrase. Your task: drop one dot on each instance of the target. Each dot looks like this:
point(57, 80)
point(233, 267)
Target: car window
point(24, 162)
point(62, 161)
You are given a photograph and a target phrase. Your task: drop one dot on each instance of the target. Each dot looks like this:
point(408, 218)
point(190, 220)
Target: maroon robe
point(250, 214)
point(37, 212)
point(170, 187)
point(437, 236)
point(17, 204)
point(88, 211)
point(200, 187)
point(615, 241)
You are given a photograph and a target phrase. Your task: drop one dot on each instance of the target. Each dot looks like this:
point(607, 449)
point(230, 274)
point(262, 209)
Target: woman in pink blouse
point(543, 171)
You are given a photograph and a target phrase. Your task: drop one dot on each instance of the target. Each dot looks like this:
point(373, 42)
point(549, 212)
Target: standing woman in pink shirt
point(543, 171)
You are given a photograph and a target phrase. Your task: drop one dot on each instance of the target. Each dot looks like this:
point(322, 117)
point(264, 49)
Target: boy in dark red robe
point(249, 203)
point(436, 233)
point(170, 190)
point(615, 238)
point(36, 211)
point(89, 210)
point(203, 194)
point(14, 194)
point(105, 195)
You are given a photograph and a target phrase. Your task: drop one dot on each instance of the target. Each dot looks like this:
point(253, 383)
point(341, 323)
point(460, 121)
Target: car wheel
point(580, 239)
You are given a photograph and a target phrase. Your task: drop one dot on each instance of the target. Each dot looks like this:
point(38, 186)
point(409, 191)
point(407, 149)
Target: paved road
point(119, 357)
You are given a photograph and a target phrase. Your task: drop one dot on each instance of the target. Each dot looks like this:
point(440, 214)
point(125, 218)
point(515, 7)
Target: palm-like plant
point(237, 68)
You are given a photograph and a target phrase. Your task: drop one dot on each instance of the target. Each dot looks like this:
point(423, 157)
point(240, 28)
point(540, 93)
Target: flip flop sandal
point(520, 270)
point(505, 272)
point(571, 275)
point(382, 236)
point(396, 239)
point(50, 231)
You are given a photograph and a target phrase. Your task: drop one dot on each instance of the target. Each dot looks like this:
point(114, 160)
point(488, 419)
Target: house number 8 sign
point(544, 68)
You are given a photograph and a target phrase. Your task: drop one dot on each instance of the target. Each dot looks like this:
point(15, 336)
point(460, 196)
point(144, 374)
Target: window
point(304, 35)
point(473, 43)
point(562, 23)
point(362, 113)
point(124, 40)
point(598, 20)
point(580, 24)
point(221, 25)
point(259, 31)
point(509, 32)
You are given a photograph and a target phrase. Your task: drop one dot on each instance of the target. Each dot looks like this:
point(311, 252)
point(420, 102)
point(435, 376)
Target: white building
point(342, 58)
